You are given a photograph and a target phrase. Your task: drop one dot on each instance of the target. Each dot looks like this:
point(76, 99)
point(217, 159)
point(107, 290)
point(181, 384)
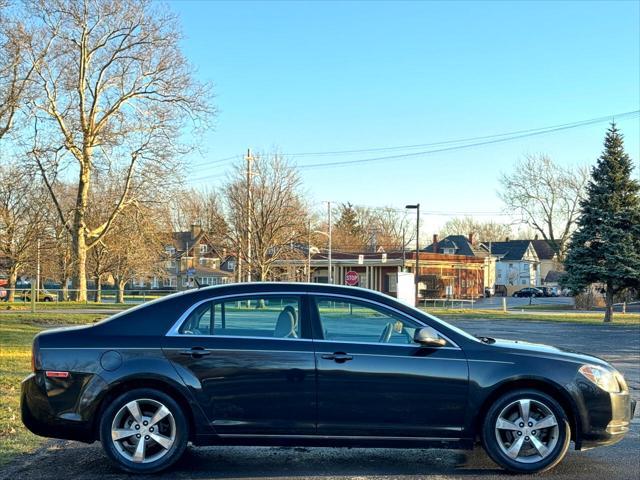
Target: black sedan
point(314, 365)
point(529, 292)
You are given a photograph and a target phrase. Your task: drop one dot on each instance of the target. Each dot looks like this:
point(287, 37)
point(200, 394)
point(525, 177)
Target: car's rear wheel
point(526, 431)
point(143, 431)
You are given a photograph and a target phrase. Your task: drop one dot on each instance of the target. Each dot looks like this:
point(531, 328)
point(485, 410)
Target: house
point(467, 246)
point(192, 255)
point(517, 264)
point(551, 268)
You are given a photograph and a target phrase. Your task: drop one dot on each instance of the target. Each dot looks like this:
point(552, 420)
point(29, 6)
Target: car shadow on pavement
point(72, 460)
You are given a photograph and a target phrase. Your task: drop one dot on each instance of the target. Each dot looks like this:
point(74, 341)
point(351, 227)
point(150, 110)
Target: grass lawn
point(547, 306)
point(572, 317)
point(16, 334)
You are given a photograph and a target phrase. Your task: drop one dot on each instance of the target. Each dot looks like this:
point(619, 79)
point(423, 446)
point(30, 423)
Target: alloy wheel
point(527, 431)
point(143, 430)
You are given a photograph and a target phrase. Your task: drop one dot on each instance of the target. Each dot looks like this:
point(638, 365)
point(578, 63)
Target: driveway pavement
point(620, 345)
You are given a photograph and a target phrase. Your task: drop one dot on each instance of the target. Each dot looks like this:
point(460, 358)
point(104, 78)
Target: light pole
point(330, 266)
point(416, 207)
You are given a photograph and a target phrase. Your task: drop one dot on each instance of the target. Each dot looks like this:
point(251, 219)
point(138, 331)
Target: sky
point(309, 77)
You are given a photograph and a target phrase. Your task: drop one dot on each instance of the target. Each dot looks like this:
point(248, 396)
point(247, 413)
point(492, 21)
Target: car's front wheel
point(143, 431)
point(526, 431)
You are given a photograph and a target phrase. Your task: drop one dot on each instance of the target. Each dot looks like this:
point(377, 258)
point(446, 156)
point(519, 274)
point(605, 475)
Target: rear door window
point(274, 316)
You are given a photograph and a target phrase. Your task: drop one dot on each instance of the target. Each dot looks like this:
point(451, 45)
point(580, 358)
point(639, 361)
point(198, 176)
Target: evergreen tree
point(348, 220)
point(605, 248)
point(349, 233)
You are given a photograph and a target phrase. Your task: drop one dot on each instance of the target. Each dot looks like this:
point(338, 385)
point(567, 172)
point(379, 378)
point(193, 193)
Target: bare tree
point(135, 247)
point(15, 71)
point(199, 207)
point(547, 195)
point(485, 231)
point(272, 205)
point(56, 255)
point(21, 221)
point(388, 228)
point(113, 94)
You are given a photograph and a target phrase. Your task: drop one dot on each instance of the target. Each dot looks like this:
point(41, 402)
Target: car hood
point(539, 349)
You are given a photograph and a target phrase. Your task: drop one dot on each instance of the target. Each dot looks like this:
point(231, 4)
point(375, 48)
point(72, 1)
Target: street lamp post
point(416, 207)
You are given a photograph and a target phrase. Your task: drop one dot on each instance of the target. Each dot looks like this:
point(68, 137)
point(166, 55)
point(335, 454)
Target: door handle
point(338, 357)
point(196, 352)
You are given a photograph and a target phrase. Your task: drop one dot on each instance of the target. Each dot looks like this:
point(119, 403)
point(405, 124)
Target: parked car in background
point(43, 296)
point(549, 291)
point(315, 365)
point(529, 292)
point(3, 294)
point(500, 291)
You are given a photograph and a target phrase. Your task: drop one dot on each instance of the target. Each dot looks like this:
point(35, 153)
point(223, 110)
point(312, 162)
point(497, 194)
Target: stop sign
point(351, 278)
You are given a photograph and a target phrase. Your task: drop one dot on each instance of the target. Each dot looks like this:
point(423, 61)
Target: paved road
point(60, 459)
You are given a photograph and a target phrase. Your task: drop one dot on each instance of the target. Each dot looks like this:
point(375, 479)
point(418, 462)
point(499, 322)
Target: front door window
point(353, 321)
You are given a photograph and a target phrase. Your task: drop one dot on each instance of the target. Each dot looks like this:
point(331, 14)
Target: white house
point(517, 263)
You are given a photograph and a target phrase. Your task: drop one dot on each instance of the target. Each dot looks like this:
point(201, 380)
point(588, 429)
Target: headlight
point(603, 378)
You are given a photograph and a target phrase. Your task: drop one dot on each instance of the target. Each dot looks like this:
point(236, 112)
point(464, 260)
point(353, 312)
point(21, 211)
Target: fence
point(449, 303)
point(56, 295)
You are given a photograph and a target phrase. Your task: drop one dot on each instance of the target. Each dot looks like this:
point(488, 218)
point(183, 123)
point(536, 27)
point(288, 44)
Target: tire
point(553, 441)
point(171, 431)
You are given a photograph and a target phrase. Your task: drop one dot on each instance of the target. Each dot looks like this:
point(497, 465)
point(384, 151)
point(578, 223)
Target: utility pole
point(330, 263)
point(309, 255)
point(416, 207)
point(249, 159)
point(38, 268)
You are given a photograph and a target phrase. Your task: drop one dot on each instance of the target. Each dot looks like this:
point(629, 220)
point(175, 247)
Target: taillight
point(54, 374)
point(33, 358)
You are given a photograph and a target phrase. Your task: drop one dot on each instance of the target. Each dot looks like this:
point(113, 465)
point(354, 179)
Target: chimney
point(506, 239)
point(435, 243)
point(472, 238)
point(536, 237)
point(195, 230)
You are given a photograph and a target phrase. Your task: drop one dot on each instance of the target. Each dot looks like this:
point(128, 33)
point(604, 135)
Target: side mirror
point(424, 337)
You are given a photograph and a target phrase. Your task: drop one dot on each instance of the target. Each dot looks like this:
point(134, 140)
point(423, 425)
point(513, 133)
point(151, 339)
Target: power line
point(469, 139)
point(457, 144)
point(426, 212)
point(340, 163)
point(206, 163)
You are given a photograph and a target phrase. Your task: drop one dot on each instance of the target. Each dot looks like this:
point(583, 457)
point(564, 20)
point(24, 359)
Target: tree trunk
point(608, 312)
point(78, 234)
point(98, 297)
point(79, 275)
point(120, 296)
point(11, 284)
point(65, 289)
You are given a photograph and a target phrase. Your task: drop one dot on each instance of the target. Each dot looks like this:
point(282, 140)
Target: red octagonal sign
point(351, 278)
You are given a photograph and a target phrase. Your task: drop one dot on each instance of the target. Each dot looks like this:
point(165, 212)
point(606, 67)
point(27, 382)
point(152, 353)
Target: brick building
point(441, 275)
